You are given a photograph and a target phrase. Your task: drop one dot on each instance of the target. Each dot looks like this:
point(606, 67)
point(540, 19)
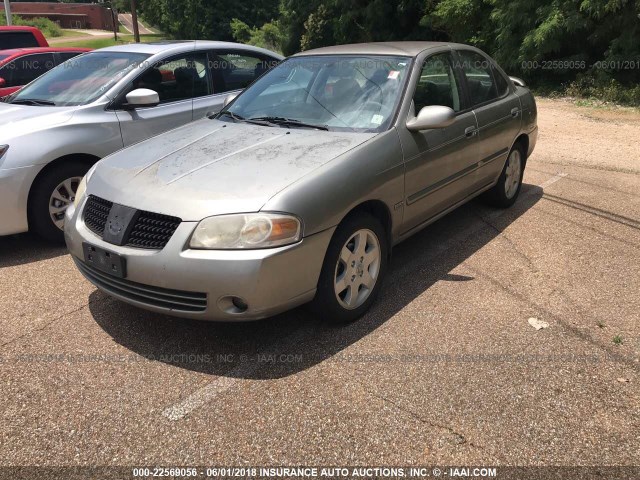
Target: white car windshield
point(332, 92)
point(80, 80)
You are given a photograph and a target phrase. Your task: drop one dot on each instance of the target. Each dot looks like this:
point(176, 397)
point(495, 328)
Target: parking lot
point(445, 369)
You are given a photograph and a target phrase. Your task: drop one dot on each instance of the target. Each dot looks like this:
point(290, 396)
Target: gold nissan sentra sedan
point(298, 189)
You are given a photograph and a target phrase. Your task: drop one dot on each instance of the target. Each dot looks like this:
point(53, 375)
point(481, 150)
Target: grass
point(618, 340)
point(103, 42)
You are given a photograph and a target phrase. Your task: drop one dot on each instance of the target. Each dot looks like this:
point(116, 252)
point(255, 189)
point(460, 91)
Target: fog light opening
point(233, 305)
point(240, 304)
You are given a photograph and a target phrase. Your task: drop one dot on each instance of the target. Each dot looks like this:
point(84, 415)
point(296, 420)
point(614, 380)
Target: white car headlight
point(82, 186)
point(246, 231)
point(81, 190)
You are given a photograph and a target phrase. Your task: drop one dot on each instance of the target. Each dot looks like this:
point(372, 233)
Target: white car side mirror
point(433, 116)
point(142, 97)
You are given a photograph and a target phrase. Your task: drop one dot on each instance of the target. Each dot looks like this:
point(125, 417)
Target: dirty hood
point(211, 167)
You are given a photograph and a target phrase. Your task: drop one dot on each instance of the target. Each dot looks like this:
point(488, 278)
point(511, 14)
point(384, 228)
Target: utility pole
point(114, 19)
point(7, 12)
point(134, 20)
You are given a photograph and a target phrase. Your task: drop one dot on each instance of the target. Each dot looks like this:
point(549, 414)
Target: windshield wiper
point(33, 101)
point(292, 122)
point(240, 118)
point(235, 116)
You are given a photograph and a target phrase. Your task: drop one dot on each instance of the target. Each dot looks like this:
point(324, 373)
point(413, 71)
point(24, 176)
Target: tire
point(505, 192)
point(42, 203)
point(347, 305)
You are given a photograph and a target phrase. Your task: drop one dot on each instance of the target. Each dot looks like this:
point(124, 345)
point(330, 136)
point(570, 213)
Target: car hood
point(211, 167)
point(17, 120)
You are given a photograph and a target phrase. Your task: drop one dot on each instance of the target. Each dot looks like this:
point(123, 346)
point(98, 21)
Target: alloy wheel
point(357, 269)
point(61, 197)
point(513, 174)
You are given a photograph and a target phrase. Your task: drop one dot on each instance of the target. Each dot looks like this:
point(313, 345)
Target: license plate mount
point(105, 261)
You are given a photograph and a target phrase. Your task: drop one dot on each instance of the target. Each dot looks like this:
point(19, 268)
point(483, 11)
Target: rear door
point(497, 109)
point(439, 162)
point(176, 80)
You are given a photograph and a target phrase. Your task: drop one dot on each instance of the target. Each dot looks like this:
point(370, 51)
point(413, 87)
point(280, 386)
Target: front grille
point(177, 300)
point(96, 213)
point(151, 230)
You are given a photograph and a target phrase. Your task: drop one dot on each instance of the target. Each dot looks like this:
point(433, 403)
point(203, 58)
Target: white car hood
point(18, 120)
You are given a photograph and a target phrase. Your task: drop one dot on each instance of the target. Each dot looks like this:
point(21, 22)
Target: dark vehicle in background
point(21, 37)
point(21, 66)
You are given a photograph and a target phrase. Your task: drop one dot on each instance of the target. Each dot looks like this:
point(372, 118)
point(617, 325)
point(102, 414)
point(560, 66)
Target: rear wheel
point(506, 191)
point(52, 194)
point(353, 269)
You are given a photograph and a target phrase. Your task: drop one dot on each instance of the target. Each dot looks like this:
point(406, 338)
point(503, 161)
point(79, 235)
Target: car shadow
point(27, 248)
point(294, 341)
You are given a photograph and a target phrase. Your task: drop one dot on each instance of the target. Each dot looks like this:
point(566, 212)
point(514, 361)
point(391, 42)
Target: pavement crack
point(461, 439)
point(502, 235)
point(46, 324)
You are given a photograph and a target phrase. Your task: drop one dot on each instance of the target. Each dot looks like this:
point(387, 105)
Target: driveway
point(446, 369)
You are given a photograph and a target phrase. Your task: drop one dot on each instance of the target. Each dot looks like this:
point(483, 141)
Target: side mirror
point(518, 81)
point(3, 82)
point(229, 98)
point(433, 116)
point(142, 97)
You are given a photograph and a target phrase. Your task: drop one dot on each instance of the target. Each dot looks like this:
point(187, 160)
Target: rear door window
point(17, 40)
point(235, 70)
point(480, 81)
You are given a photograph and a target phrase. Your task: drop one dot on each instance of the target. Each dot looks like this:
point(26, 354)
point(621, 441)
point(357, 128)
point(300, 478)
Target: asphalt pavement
point(445, 369)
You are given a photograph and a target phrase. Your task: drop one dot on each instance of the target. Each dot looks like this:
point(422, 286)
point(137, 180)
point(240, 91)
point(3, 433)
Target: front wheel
point(51, 195)
point(506, 191)
point(353, 269)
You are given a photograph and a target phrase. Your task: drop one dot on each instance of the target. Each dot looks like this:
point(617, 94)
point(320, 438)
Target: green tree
point(205, 19)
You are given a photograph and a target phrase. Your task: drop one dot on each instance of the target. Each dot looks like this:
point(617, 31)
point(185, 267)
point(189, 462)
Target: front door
point(439, 163)
point(177, 81)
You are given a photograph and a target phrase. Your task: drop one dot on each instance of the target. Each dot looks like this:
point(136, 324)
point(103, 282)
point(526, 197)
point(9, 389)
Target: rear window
point(17, 40)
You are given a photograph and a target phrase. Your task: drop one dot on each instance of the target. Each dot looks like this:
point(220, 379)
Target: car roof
point(409, 49)
point(179, 46)
point(25, 51)
point(18, 27)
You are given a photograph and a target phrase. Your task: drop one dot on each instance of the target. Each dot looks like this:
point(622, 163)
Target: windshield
point(337, 92)
point(80, 80)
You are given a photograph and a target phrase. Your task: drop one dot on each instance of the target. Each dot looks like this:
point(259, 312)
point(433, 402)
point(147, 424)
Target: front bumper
point(269, 281)
point(15, 184)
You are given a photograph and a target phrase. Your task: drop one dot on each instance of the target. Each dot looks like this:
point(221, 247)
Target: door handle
point(470, 132)
point(515, 112)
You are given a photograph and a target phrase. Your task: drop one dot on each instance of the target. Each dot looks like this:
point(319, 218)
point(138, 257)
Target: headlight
point(3, 149)
point(246, 231)
point(82, 188)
